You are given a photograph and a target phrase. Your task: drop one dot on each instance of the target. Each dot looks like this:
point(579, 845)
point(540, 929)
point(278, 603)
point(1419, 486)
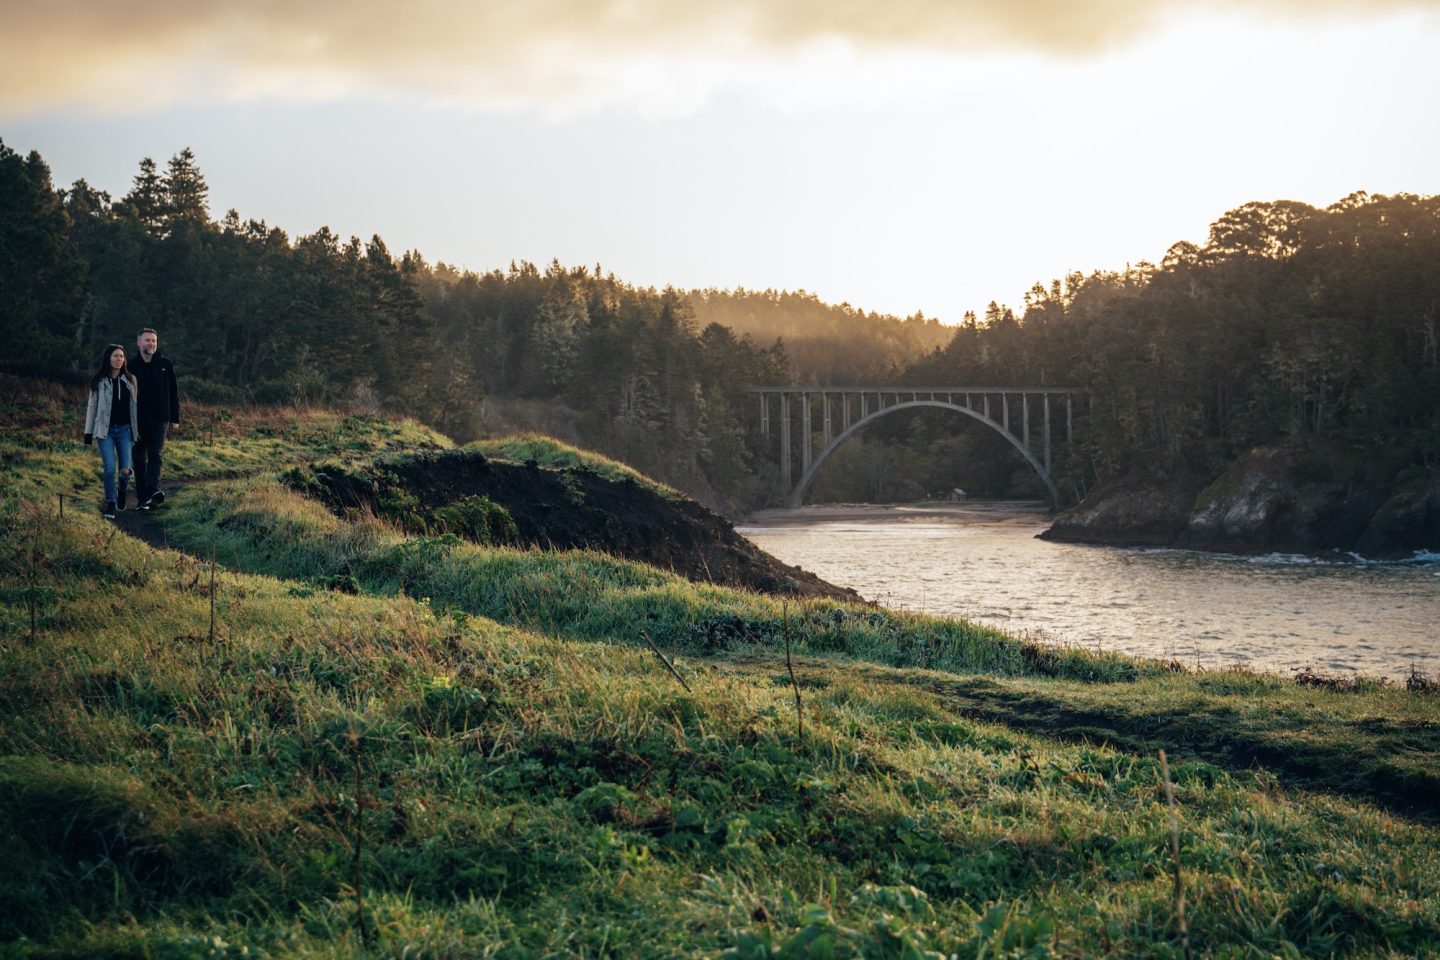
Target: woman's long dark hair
point(102, 372)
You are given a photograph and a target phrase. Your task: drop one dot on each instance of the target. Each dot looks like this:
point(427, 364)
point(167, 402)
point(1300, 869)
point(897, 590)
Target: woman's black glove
point(89, 437)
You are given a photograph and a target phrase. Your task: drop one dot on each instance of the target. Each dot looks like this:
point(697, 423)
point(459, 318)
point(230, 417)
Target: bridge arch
point(974, 402)
point(797, 495)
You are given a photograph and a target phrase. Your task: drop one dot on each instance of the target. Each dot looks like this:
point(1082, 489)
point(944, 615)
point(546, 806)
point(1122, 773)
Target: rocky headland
point(1273, 499)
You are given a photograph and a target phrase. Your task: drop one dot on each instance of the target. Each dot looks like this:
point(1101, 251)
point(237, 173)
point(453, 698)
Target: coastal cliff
point(1272, 499)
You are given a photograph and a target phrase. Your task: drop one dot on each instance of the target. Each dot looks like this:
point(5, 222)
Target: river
point(981, 561)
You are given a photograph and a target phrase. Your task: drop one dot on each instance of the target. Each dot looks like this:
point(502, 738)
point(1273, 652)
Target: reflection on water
point(982, 562)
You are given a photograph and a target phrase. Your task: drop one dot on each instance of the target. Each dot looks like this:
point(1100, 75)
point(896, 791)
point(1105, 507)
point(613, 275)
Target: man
point(158, 401)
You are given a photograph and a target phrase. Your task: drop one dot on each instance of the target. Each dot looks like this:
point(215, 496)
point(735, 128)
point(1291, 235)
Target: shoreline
point(987, 512)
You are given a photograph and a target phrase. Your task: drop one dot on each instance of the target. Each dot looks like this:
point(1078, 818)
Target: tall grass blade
point(794, 684)
point(668, 665)
point(1175, 855)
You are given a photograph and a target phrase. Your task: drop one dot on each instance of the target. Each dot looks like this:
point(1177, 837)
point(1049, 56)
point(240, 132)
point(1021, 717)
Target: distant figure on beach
point(159, 412)
point(110, 418)
point(956, 495)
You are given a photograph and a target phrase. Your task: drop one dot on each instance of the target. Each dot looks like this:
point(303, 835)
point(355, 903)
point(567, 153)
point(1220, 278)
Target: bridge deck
point(977, 390)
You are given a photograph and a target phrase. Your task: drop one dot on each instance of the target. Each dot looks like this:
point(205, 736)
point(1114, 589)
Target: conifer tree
point(146, 201)
point(186, 194)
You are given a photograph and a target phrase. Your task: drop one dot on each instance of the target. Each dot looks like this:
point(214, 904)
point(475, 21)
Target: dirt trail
point(148, 525)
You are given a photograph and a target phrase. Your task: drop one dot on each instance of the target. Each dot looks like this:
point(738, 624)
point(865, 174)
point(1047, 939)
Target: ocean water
point(1278, 613)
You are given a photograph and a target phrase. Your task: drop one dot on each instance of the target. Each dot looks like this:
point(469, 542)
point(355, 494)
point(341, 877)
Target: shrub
point(480, 519)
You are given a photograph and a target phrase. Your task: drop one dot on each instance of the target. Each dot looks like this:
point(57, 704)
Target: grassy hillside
point(422, 746)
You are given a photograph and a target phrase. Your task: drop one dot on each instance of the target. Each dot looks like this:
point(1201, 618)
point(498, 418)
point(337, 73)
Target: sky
point(911, 155)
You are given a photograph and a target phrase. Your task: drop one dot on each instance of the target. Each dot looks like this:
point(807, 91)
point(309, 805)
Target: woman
point(110, 418)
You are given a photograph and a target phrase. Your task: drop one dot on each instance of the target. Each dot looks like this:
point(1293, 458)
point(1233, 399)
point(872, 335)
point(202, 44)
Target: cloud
point(109, 56)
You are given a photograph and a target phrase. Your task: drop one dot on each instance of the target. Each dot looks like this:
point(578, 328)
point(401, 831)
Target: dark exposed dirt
point(574, 508)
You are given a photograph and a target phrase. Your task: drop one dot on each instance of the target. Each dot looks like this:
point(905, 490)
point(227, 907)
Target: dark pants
point(149, 458)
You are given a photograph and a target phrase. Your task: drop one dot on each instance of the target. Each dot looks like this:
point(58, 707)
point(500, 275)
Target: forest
point(1313, 329)
point(1317, 328)
point(657, 378)
point(825, 344)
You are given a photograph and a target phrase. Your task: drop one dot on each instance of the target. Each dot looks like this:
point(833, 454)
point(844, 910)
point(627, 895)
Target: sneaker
point(156, 498)
point(108, 511)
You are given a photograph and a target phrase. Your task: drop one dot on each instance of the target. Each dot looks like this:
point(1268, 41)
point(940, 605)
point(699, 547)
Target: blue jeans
point(117, 444)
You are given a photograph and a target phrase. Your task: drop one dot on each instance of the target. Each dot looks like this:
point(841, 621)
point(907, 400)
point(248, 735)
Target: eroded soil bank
point(527, 505)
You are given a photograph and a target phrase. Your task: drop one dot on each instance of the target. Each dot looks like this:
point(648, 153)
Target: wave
point(1420, 558)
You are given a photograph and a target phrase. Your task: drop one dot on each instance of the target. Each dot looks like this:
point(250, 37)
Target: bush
point(195, 390)
point(480, 519)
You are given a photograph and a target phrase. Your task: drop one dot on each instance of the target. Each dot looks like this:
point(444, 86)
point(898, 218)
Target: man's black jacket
point(158, 396)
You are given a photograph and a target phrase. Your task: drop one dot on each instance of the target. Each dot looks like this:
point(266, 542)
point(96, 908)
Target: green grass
point(260, 526)
point(42, 452)
point(266, 440)
point(523, 778)
point(549, 452)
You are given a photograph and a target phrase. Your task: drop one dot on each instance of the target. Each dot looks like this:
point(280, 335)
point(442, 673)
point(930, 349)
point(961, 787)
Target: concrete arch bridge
point(1019, 414)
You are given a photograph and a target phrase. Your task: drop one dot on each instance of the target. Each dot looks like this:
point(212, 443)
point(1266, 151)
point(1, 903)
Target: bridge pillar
point(785, 478)
point(1047, 432)
point(806, 438)
point(1025, 414)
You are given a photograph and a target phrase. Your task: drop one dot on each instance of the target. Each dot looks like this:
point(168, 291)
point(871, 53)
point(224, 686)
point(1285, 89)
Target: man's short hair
point(145, 330)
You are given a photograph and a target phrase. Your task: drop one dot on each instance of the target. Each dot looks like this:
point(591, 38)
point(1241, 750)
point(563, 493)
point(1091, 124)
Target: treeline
point(248, 313)
point(254, 315)
point(826, 344)
point(1316, 328)
point(624, 370)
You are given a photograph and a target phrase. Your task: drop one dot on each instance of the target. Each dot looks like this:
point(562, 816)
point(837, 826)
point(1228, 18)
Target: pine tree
point(41, 274)
point(146, 201)
point(186, 194)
